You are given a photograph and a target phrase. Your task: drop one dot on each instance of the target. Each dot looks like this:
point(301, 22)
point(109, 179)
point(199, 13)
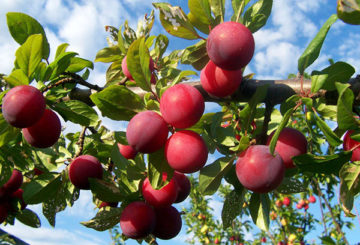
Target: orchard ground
point(290, 28)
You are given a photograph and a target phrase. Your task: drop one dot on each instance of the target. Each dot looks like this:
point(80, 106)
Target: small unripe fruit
point(182, 105)
point(127, 151)
point(23, 106)
point(82, 168)
point(278, 203)
point(286, 201)
point(350, 144)
point(220, 82)
point(45, 132)
point(230, 45)
point(108, 204)
point(137, 220)
point(168, 223)
point(312, 199)
point(258, 170)
point(147, 132)
point(186, 151)
point(162, 197)
point(291, 142)
point(183, 186)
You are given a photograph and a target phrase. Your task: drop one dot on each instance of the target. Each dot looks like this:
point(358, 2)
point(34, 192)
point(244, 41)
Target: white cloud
point(278, 60)
point(50, 236)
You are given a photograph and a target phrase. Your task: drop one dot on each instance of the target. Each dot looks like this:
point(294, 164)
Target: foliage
point(229, 132)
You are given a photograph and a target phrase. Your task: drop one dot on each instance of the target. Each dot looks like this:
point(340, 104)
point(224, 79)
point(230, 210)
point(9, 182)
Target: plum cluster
point(181, 106)
point(156, 215)
point(24, 107)
point(260, 171)
point(230, 47)
point(11, 194)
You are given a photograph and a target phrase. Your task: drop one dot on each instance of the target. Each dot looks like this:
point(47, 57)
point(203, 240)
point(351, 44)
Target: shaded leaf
point(349, 186)
point(327, 164)
point(233, 205)
point(349, 11)
point(259, 210)
point(105, 219)
point(325, 79)
point(29, 218)
point(212, 174)
point(257, 15)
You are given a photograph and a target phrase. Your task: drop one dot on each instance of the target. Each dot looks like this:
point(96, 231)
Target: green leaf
point(17, 77)
point(327, 164)
point(233, 205)
point(78, 64)
point(29, 55)
point(349, 186)
point(161, 45)
point(200, 15)
point(5, 172)
point(232, 178)
point(201, 9)
point(157, 166)
point(289, 103)
point(41, 188)
point(175, 21)
point(61, 63)
point(349, 11)
point(183, 76)
point(138, 60)
point(29, 218)
point(276, 135)
point(312, 51)
point(259, 210)
point(247, 115)
point(7, 132)
point(196, 55)
point(105, 219)
point(61, 49)
point(108, 54)
point(21, 26)
point(212, 174)
point(118, 102)
point(64, 196)
point(257, 15)
point(15, 155)
point(238, 7)
point(345, 115)
point(77, 112)
point(105, 191)
point(330, 136)
point(218, 8)
point(198, 24)
point(291, 186)
point(325, 79)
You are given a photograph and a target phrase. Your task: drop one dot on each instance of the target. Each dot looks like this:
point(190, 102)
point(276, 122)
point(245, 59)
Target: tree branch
point(278, 91)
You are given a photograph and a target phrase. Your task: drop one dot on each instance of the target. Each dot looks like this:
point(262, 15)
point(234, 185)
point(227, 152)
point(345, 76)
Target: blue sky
point(81, 23)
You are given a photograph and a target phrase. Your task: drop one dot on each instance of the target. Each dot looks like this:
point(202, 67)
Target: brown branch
point(81, 142)
point(278, 91)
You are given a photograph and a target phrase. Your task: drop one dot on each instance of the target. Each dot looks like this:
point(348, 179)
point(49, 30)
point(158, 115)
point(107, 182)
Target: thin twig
point(337, 226)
